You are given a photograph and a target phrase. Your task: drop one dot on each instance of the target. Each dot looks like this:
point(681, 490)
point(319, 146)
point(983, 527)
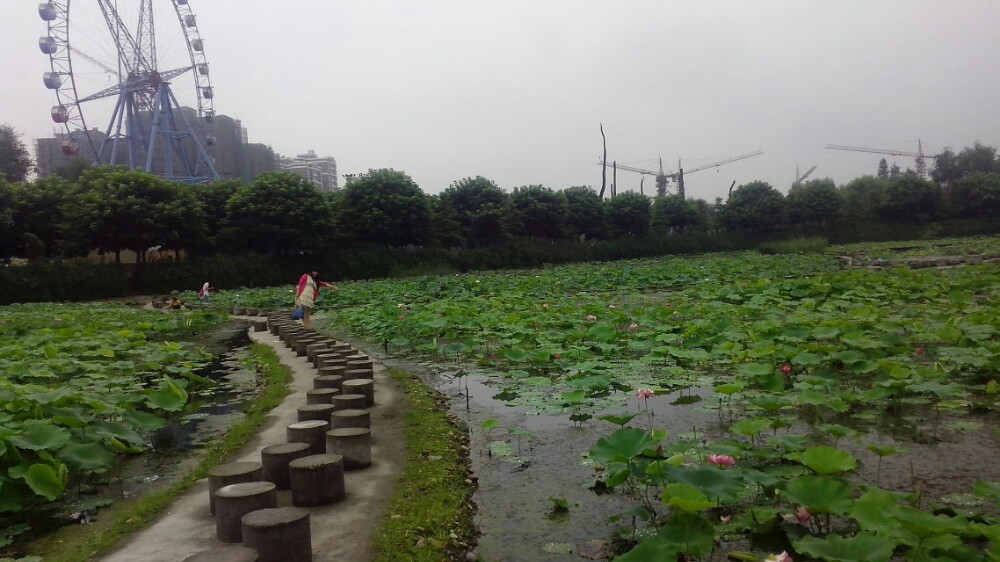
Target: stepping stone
point(317, 479)
point(234, 501)
point(301, 345)
point(316, 411)
point(343, 349)
point(275, 459)
point(279, 534)
point(231, 473)
point(325, 360)
point(312, 432)
point(351, 418)
point(259, 325)
point(359, 364)
point(328, 381)
point(352, 443)
point(232, 553)
point(314, 349)
point(348, 402)
point(358, 357)
point(321, 395)
point(352, 374)
point(239, 311)
point(361, 386)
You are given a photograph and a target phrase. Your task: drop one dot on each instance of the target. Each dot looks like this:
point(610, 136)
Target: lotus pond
point(726, 406)
point(89, 390)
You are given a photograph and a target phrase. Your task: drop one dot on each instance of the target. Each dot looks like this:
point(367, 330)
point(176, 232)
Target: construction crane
point(663, 177)
point(799, 178)
point(918, 155)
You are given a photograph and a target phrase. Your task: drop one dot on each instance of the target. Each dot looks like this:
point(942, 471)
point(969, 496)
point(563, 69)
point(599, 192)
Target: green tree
point(8, 228)
point(672, 214)
point(977, 159)
point(883, 169)
point(72, 170)
point(912, 199)
point(814, 203)
point(385, 207)
point(213, 198)
point(584, 213)
point(628, 214)
point(535, 211)
point(754, 207)
point(278, 213)
point(863, 197)
point(116, 209)
point(479, 206)
point(974, 196)
point(15, 162)
point(446, 230)
point(39, 213)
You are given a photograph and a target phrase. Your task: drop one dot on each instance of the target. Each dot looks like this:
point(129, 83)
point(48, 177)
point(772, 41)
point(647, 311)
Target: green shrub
point(41, 282)
point(797, 246)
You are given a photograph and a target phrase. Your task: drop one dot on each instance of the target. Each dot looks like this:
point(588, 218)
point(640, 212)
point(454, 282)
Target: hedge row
point(81, 281)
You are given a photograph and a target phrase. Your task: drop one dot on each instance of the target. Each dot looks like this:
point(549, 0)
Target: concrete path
point(341, 531)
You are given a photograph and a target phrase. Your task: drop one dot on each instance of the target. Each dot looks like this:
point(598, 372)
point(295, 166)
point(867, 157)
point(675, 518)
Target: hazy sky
point(515, 90)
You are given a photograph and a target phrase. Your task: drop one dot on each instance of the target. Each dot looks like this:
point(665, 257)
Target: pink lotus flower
point(591, 318)
point(783, 557)
point(725, 518)
point(920, 351)
point(786, 369)
point(721, 460)
point(557, 355)
point(401, 317)
point(644, 393)
point(803, 515)
point(633, 327)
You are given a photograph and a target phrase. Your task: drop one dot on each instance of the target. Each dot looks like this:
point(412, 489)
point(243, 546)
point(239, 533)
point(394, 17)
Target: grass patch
point(79, 543)
point(797, 246)
point(429, 517)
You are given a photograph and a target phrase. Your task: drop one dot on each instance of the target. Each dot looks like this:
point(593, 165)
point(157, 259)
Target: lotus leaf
point(826, 460)
point(863, 547)
point(821, 495)
point(40, 436)
point(622, 446)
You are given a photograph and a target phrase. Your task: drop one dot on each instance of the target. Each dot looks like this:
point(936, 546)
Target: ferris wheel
point(120, 68)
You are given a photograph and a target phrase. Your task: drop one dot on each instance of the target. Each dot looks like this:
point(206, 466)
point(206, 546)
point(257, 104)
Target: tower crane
point(663, 177)
point(918, 155)
point(799, 178)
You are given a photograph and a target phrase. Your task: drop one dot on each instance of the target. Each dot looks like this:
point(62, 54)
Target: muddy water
point(515, 515)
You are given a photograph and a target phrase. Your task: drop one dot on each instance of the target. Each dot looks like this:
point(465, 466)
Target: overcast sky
point(515, 90)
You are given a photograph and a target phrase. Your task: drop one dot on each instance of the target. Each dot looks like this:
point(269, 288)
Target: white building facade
point(320, 171)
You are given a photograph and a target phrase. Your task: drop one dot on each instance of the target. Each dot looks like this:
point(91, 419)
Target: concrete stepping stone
point(279, 534)
point(231, 473)
point(259, 325)
point(314, 349)
point(352, 443)
point(351, 418)
point(302, 345)
point(275, 459)
point(234, 501)
point(316, 411)
point(360, 386)
point(348, 402)
point(352, 374)
point(326, 360)
point(312, 432)
point(231, 553)
point(328, 381)
point(321, 395)
point(317, 479)
point(331, 370)
point(353, 364)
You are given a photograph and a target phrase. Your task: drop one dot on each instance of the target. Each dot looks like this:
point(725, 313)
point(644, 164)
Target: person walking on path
point(203, 294)
point(307, 293)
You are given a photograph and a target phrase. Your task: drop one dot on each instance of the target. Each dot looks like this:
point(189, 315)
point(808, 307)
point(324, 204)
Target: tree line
point(112, 209)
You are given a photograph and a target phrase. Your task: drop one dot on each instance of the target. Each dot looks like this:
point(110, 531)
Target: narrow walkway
point(340, 532)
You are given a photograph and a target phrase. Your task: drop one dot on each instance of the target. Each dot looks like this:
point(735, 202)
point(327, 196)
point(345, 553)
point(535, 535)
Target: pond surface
point(515, 481)
point(211, 412)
